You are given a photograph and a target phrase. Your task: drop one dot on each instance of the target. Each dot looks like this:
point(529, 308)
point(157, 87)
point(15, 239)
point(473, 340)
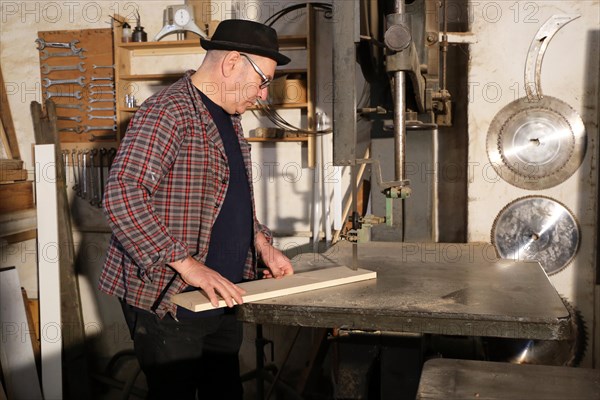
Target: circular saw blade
point(536, 145)
point(537, 228)
point(566, 352)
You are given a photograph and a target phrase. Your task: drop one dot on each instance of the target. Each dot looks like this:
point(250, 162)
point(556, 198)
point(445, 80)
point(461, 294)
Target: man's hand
point(279, 265)
point(196, 274)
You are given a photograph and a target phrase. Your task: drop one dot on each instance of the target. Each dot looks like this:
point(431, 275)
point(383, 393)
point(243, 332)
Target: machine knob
point(397, 37)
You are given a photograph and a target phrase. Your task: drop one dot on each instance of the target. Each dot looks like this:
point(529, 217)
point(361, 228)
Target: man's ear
point(229, 63)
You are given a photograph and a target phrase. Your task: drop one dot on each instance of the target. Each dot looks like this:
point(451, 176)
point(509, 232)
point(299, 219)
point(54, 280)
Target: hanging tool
point(94, 138)
point(102, 101)
point(76, 94)
point(46, 69)
point(93, 177)
point(45, 54)
point(74, 170)
point(75, 129)
point(42, 44)
point(76, 118)
point(93, 93)
point(101, 158)
point(72, 106)
point(46, 82)
point(111, 117)
point(101, 78)
point(538, 141)
point(91, 109)
point(104, 66)
point(79, 172)
point(95, 85)
point(85, 174)
point(88, 128)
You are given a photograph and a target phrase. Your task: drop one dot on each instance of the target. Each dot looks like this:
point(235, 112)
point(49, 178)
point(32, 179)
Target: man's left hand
point(279, 265)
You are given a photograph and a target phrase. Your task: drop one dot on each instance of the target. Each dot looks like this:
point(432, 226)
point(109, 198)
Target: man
point(180, 204)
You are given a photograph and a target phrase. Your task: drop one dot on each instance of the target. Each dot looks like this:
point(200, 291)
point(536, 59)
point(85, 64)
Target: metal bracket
point(386, 187)
point(535, 55)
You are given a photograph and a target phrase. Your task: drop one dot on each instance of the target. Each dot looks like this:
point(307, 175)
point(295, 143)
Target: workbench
point(424, 288)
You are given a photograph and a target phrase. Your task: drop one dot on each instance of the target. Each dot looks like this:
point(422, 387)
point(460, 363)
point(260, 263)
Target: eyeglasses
point(266, 81)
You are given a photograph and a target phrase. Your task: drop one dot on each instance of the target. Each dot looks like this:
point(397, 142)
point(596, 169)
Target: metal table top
point(436, 288)
point(447, 379)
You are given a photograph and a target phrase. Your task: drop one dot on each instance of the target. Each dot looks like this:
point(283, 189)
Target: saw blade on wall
point(537, 228)
point(536, 145)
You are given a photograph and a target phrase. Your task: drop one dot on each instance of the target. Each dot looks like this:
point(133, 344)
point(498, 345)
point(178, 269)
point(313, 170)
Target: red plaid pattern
point(163, 194)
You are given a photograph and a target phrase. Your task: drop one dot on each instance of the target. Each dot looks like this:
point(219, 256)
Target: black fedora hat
point(246, 36)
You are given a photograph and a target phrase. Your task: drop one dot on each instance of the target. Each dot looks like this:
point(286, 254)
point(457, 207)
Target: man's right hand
point(196, 274)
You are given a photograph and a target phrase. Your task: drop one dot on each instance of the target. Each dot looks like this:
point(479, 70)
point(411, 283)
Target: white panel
point(48, 272)
point(16, 352)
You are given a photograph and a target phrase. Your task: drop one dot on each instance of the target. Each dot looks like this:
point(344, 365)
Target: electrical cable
point(328, 8)
point(267, 109)
point(270, 112)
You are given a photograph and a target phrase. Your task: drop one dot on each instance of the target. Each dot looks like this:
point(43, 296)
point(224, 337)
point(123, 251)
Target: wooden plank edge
point(19, 237)
point(12, 175)
point(190, 300)
point(10, 164)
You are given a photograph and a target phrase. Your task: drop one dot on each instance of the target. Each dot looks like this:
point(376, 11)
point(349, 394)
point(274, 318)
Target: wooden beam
point(49, 275)
point(74, 355)
point(264, 289)
point(4, 140)
point(7, 122)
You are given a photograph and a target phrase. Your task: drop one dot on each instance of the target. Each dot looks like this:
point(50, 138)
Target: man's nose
point(264, 93)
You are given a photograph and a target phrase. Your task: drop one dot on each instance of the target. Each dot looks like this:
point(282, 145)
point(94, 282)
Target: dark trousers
point(182, 358)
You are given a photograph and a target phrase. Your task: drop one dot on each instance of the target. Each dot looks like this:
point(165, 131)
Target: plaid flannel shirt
point(164, 192)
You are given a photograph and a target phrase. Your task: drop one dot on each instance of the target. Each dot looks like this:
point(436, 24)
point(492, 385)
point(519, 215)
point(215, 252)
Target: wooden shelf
point(167, 44)
point(292, 42)
point(125, 52)
point(292, 139)
point(290, 71)
point(286, 42)
point(151, 77)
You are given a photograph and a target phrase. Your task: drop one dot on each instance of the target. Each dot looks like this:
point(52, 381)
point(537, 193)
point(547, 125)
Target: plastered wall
point(504, 31)
point(283, 182)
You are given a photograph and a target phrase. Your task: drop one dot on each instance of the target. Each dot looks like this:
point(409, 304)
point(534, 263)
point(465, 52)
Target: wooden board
point(269, 288)
point(16, 197)
point(16, 352)
point(49, 274)
point(11, 175)
point(18, 226)
point(11, 164)
point(74, 356)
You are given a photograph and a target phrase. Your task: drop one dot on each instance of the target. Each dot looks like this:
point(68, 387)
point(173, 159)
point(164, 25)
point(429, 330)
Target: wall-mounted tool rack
point(79, 78)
